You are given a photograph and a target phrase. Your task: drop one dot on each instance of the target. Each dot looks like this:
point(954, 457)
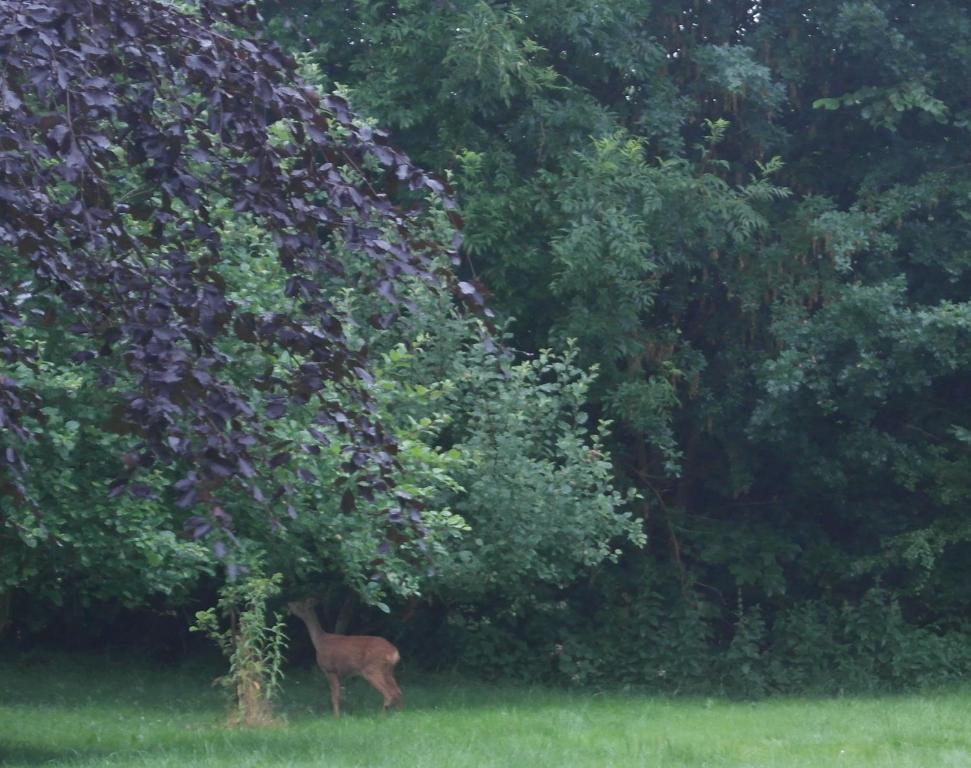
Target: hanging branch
point(121, 122)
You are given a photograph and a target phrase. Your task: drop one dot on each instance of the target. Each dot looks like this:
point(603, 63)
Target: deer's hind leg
point(376, 678)
point(393, 687)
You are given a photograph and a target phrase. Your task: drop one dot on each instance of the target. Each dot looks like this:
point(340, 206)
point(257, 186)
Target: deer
point(371, 657)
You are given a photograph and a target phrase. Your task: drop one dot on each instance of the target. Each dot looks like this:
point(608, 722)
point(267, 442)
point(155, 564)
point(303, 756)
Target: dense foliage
point(753, 218)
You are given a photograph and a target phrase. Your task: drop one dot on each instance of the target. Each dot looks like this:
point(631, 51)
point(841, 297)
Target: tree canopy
point(127, 127)
point(752, 217)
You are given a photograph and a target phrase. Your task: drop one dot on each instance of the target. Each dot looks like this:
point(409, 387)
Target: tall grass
point(93, 711)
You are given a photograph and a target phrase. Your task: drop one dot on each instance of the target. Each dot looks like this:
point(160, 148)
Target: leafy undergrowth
point(92, 711)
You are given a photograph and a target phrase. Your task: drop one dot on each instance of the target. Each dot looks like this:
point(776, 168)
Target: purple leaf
point(279, 459)
point(201, 530)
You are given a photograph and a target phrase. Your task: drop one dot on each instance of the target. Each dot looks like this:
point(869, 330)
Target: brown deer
point(373, 658)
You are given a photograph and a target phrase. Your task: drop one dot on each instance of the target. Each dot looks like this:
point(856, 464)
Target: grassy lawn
point(89, 711)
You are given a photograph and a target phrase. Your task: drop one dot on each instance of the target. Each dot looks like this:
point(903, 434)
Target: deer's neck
point(317, 634)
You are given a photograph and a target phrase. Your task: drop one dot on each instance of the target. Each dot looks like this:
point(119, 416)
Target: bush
point(662, 640)
point(253, 647)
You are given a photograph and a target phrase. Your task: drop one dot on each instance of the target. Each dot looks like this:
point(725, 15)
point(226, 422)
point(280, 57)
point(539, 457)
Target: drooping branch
point(122, 122)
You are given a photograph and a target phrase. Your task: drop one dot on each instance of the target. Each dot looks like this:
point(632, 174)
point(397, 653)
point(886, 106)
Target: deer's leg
point(335, 692)
point(376, 678)
point(393, 687)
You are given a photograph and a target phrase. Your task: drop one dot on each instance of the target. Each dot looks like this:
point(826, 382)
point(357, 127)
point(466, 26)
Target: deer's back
point(350, 654)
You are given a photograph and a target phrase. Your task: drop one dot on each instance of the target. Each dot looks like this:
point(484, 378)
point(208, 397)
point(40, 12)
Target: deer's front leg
point(335, 692)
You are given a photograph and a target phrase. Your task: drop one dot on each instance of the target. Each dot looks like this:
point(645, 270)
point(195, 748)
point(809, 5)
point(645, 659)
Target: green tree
point(753, 218)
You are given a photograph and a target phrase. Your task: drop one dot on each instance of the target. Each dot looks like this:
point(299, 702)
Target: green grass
point(70, 711)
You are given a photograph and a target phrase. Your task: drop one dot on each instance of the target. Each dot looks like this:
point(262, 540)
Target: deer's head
point(304, 607)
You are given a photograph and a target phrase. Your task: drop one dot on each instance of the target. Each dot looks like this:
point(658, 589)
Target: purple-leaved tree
point(120, 122)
